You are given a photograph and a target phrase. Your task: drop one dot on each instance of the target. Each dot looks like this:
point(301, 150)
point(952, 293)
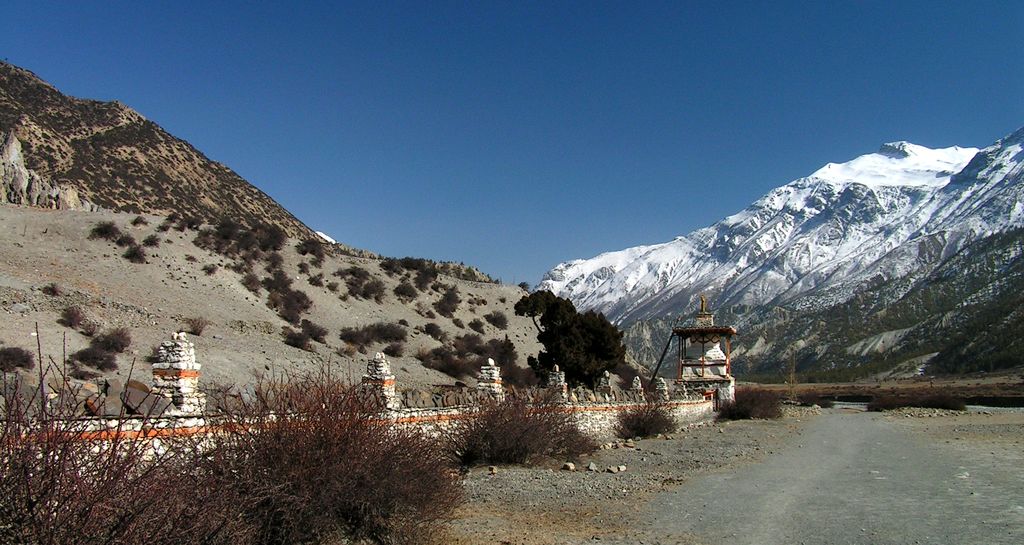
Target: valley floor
point(844, 477)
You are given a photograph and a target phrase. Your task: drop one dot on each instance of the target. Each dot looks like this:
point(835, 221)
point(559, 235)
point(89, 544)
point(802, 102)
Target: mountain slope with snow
point(888, 217)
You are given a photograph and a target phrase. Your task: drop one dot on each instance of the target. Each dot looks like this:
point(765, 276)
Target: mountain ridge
point(814, 243)
point(115, 158)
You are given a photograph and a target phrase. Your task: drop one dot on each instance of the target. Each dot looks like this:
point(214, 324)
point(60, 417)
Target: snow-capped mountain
point(818, 241)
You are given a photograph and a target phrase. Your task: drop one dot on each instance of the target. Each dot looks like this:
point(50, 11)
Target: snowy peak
point(817, 236)
point(899, 164)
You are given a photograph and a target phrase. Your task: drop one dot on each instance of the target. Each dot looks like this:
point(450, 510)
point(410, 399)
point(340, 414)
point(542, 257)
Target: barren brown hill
point(120, 160)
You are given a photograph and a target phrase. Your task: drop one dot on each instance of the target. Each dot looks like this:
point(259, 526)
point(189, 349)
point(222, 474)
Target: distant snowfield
point(839, 225)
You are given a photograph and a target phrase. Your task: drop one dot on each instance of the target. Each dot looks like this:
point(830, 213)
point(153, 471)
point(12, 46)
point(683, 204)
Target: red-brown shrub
point(196, 325)
point(12, 357)
point(71, 317)
point(324, 465)
point(925, 401)
point(515, 432)
point(94, 357)
point(116, 340)
point(752, 403)
point(497, 319)
point(645, 420)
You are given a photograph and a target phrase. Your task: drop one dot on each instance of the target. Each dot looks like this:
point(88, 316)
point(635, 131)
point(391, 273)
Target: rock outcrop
point(19, 185)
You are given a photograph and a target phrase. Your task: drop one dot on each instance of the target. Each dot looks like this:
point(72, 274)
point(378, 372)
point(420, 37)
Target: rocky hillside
point(116, 234)
point(113, 157)
point(865, 264)
point(291, 308)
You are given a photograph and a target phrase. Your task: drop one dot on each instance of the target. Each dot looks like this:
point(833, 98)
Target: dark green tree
point(584, 346)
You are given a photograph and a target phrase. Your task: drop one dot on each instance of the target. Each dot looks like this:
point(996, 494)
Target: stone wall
point(174, 405)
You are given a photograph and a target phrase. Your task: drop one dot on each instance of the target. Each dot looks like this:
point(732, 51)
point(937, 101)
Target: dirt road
point(851, 478)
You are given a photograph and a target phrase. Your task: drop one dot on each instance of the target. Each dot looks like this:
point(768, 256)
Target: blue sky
point(513, 136)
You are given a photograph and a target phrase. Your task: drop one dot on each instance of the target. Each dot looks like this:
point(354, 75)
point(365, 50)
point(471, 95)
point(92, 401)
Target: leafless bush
point(752, 403)
point(72, 317)
point(135, 254)
point(59, 486)
point(12, 357)
point(125, 240)
point(97, 358)
point(298, 339)
point(645, 420)
point(394, 350)
point(448, 303)
point(89, 328)
point(196, 325)
point(515, 432)
point(116, 340)
point(518, 376)
point(374, 333)
point(497, 319)
point(251, 282)
point(406, 291)
point(324, 465)
point(435, 332)
point(925, 401)
point(106, 230)
point(315, 331)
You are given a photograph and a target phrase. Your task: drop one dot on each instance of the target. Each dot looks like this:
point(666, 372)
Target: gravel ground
point(847, 477)
point(548, 505)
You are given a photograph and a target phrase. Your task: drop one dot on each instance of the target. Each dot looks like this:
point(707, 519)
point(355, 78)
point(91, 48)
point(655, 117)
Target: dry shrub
point(519, 376)
point(325, 465)
point(12, 357)
point(516, 432)
point(380, 332)
point(435, 332)
point(497, 319)
point(467, 354)
point(449, 302)
point(196, 325)
point(72, 317)
point(89, 328)
point(395, 350)
point(115, 340)
point(298, 339)
point(752, 403)
point(58, 487)
point(135, 254)
point(924, 401)
point(251, 282)
point(645, 420)
point(97, 358)
point(125, 240)
point(315, 331)
point(106, 230)
point(406, 291)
